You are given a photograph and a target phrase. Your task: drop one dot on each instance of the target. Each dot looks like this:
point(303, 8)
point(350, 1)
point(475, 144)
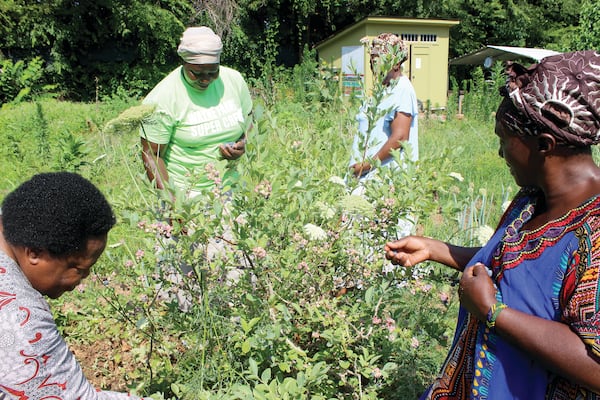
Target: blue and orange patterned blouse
point(550, 272)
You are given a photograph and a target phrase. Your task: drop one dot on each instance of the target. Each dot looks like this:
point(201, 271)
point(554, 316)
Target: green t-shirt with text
point(194, 123)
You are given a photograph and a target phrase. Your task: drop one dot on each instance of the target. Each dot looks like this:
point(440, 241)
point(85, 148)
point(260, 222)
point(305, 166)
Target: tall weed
point(478, 96)
point(22, 81)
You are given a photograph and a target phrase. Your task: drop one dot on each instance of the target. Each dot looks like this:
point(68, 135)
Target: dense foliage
point(95, 47)
point(589, 26)
point(99, 49)
point(299, 303)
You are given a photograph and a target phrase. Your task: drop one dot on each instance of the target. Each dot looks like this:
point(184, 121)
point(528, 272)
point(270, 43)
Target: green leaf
point(246, 346)
point(253, 367)
point(248, 325)
point(266, 375)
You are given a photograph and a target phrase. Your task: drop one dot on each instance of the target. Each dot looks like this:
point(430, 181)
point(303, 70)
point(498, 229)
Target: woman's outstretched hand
point(408, 251)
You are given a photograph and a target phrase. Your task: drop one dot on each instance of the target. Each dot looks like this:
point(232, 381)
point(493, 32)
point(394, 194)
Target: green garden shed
point(426, 67)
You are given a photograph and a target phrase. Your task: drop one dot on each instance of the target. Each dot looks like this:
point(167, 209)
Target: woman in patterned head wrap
point(398, 124)
point(529, 322)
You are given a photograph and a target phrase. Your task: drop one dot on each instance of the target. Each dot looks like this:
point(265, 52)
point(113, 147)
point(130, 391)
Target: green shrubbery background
point(313, 314)
point(92, 49)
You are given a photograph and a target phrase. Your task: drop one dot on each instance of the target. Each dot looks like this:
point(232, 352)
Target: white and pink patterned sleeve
point(35, 361)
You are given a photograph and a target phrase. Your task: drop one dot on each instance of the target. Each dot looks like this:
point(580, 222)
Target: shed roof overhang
point(502, 53)
point(387, 20)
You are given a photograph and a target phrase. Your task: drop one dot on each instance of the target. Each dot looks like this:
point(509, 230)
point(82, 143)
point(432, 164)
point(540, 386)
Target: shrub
point(21, 81)
point(299, 302)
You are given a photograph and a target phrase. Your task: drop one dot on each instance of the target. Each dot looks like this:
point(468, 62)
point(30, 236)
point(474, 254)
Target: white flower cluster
point(456, 176)
point(484, 234)
point(337, 180)
point(314, 232)
point(354, 204)
point(129, 120)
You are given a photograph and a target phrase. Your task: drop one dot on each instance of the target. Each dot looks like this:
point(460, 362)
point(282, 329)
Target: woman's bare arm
point(154, 164)
point(412, 250)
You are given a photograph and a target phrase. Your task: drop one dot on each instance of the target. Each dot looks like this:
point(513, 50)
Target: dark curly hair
point(57, 211)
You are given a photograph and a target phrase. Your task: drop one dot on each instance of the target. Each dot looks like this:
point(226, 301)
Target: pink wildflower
point(139, 254)
point(213, 174)
point(444, 297)
point(259, 252)
point(390, 324)
point(264, 189)
point(414, 342)
point(164, 229)
point(303, 266)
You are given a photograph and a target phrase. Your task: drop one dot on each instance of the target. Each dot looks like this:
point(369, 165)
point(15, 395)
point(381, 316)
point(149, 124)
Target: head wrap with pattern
point(560, 96)
point(384, 42)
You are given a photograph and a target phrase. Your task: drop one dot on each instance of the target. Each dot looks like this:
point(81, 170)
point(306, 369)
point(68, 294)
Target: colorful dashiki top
point(550, 272)
point(35, 362)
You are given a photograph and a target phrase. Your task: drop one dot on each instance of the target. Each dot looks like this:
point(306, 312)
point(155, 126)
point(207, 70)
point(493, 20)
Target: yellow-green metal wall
point(427, 67)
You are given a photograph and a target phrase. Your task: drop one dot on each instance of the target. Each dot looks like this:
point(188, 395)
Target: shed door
point(353, 69)
point(420, 70)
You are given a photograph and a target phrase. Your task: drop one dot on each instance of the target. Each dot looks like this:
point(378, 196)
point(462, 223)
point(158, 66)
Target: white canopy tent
point(489, 54)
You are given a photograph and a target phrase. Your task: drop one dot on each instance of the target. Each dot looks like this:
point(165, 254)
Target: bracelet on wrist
point(493, 313)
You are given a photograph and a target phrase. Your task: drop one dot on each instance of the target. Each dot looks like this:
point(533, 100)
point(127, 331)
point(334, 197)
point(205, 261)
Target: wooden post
point(460, 115)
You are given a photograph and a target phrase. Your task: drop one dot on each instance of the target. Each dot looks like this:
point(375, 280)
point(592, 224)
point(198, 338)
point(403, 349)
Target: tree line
point(95, 48)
